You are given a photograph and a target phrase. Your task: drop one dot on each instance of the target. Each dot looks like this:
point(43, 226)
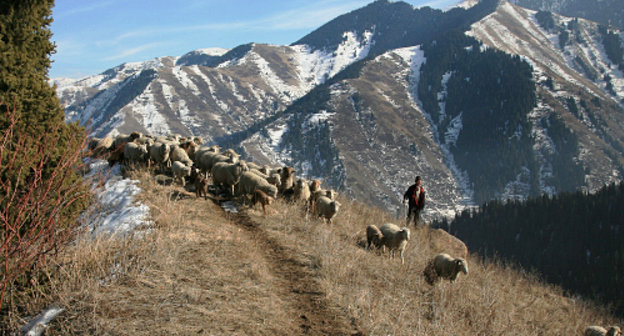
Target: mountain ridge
point(293, 105)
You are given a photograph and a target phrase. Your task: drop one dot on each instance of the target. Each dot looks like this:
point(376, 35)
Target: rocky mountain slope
point(368, 101)
point(607, 12)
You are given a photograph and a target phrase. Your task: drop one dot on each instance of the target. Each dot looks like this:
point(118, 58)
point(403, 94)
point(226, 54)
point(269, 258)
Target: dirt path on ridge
point(296, 284)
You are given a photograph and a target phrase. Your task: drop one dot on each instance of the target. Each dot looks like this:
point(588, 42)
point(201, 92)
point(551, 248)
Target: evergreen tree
point(40, 193)
point(25, 47)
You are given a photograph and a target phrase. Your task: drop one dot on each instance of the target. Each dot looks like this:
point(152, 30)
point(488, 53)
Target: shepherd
point(416, 196)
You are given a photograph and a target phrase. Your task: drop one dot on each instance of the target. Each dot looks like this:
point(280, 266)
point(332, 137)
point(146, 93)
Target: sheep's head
point(301, 183)
point(461, 265)
point(315, 185)
point(405, 233)
point(287, 172)
point(134, 135)
point(335, 206)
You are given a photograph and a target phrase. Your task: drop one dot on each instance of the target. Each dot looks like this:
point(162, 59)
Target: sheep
point(394, 238)
point(146, 140)
point(180, 171)
point(122, 139)
point(204, 149)
point(228, 174)
point(179, 154)
point(158, 153)
point(302, 191)
point(232, 155)
point(201, 186)
point(116, 155)
point(444, 266)
point(314, 186)
point(189, 147)
point(331, 194)
point(250, 182)
point(373, 236)
point(600, 331)
point(263, 198)
point(99, 146)
point(135, 153)
point(327, 208)
point(207, 160)
point(287, 177)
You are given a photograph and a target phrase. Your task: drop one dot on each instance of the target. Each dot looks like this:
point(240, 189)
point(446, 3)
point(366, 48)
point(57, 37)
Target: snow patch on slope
point(115, 211)
point(317, 66)
point(146, 107)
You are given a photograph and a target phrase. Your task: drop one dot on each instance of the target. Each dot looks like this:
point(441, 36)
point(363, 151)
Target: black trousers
point(413, 214)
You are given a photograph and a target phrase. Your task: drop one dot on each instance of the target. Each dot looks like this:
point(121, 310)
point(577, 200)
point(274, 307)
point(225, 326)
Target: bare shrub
point(40, 198)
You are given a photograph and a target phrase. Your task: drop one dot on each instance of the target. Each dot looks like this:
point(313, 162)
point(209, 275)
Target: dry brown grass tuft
point(203, 271)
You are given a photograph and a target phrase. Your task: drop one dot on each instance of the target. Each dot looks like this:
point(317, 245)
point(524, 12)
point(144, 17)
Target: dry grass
point(202, 271)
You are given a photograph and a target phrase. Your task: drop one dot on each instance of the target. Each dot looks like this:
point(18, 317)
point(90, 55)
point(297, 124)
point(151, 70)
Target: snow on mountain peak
point(215, 51)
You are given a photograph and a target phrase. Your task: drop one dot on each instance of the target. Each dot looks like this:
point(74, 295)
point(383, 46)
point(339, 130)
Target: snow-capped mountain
point(482, 101)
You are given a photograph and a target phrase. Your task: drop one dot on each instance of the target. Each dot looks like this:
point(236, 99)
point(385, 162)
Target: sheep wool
point(444, 266)
point(373, 237)
point(395, 239)
point(600, 331)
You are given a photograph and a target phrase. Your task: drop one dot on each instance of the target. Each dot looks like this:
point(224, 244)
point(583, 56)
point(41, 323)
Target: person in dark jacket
point(415, 195)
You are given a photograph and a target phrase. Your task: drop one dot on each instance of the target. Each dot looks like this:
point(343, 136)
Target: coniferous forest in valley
point(572, 239)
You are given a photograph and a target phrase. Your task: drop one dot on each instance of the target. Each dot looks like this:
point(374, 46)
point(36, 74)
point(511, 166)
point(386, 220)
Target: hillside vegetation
point(573, 239)
point(200, 270)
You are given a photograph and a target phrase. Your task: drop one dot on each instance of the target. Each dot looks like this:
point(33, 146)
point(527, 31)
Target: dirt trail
point(297, 284)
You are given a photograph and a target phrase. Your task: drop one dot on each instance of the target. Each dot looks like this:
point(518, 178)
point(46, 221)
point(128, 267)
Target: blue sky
point(96, 35)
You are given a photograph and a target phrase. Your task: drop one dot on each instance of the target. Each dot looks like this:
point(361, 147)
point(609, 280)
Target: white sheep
point(302, 191)
point(135, 153)
point(158, 153)
point(600, 331)
point(250, 182)
point(228, 174)
point(207, 160)
point(179, 154)
point(314, 196)
point(204, 149)
point(180, 171)
point(231, 154)
point(444, 266)
point(327, 208)
point(373, 237)
point(394, 238)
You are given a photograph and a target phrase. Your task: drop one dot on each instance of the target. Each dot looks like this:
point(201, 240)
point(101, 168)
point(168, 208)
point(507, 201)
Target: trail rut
point(297, 283)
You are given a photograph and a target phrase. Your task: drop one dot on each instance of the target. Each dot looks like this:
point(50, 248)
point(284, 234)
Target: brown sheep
point(263, 198)
point(201, 186)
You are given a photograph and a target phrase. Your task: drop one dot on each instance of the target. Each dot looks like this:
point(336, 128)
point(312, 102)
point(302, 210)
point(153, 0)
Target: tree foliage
point(491, 93)
point(39, 154)
point(572, 239)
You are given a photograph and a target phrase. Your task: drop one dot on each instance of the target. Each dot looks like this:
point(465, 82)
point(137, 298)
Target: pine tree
point(25, 47)
point(41, 195)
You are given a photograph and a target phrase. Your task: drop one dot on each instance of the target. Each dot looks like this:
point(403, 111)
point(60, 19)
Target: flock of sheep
point(188, 158)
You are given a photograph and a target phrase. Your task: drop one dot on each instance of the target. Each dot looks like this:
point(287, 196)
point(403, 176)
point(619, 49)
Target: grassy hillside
point(200, 270)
